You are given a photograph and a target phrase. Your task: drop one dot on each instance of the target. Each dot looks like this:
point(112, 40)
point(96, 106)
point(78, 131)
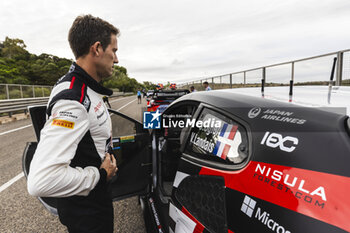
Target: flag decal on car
point(225, 139)
point(228, 131)
point(221, 149)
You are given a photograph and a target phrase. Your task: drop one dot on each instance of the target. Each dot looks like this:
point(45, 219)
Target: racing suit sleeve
point(50, 174)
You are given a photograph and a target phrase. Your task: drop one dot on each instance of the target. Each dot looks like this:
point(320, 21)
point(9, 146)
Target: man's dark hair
point(86, 30)
point(206, 83)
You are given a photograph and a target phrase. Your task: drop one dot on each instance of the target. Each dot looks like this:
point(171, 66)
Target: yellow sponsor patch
point(63, 123)
point(127, 139)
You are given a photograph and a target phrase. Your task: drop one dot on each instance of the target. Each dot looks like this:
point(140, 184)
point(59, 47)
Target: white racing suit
point(72, 146)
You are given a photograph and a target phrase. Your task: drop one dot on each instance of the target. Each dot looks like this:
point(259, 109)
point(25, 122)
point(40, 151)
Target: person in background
point(139, 97)
point(192, 89)
point(206, 86)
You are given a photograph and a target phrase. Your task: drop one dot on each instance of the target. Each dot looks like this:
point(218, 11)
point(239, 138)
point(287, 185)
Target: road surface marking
point(119, 99)
point(126, 105)
point(13, 130)
point(10, 182)
point(122, 107)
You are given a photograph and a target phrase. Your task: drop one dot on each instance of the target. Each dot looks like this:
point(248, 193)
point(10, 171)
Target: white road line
point(10, 182)
point(118, 99)
point(13, 130)
point(20, 175)
point(126, 105)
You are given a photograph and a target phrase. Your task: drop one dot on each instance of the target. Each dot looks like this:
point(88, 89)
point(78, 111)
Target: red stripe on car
point(319, 195)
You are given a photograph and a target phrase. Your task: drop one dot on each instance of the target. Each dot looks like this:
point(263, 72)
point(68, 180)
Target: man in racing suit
point(71, 162)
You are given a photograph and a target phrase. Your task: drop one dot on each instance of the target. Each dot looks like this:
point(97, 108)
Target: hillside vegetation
point(18, 66)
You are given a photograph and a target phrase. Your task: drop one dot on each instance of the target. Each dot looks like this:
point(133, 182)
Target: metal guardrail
point(16, 105)
point(307, 71)
point(19, 91)
point(10, 106)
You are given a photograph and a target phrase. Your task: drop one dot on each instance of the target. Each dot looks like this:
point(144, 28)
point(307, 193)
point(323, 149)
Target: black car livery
point(262, 166)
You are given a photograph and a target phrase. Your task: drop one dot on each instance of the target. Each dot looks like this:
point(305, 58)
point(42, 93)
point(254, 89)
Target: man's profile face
point(108, 59)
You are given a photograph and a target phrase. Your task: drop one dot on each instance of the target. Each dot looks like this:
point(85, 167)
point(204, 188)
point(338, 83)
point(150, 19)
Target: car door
point(38, 116)
point(130, 145)
point(211, 151)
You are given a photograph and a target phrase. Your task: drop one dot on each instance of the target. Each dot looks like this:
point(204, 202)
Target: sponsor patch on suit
point(63, 123)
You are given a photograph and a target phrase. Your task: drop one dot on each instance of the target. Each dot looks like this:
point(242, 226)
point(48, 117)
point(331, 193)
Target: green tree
point(13, 48)
point(149, 85)
point(1, 47)
point(17, 65)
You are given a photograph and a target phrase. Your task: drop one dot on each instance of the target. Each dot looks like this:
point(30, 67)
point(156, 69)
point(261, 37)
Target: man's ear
point(95, 49)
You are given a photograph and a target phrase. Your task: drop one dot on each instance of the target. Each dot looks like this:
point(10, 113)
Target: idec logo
point(274, 140)
point(63, 123)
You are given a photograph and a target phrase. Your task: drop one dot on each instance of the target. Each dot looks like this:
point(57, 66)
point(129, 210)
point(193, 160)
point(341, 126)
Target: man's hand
point(110, 165)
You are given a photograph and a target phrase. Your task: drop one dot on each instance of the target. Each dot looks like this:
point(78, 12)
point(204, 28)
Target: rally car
point(226, 162)
point(172, 86)
point(162, 98)
point(149, 95)
point(159, 86)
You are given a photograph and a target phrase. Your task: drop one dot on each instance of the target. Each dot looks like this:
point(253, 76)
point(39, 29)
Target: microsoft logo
point(248, 206)
point(264, 217)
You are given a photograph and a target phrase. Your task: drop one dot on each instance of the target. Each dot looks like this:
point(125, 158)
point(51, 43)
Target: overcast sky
point(179, 40)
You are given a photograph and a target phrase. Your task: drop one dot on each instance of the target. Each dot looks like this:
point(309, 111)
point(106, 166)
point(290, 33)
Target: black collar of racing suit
point(92, 83)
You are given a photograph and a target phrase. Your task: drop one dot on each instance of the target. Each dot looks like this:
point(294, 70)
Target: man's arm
point(50, 174)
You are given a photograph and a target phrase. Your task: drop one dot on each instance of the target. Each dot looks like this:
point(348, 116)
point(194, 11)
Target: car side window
point(122, 126)
point(218, 138)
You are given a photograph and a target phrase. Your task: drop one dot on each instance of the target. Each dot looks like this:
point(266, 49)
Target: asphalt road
point(20, 212)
